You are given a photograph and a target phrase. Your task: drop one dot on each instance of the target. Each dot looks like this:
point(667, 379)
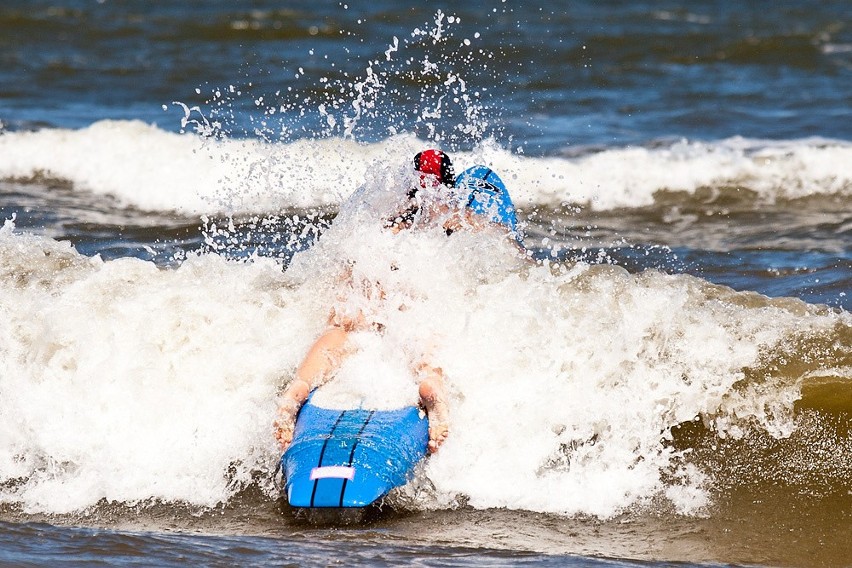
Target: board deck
point(351, 458)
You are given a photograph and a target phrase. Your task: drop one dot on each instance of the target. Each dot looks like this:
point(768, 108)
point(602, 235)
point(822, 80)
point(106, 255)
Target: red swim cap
point(436, 163)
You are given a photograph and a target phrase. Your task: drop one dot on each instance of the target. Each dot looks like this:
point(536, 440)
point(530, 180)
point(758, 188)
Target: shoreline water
point(755, 531)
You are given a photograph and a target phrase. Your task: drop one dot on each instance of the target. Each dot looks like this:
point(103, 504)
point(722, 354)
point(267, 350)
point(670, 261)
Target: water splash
point(418, 84)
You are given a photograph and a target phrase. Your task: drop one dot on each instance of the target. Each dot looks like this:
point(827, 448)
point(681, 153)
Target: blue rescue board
point(488, 196)
point(351, 458)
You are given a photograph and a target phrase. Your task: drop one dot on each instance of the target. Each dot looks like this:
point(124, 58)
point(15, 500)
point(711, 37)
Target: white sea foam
point(123, 382)
point(152, 169)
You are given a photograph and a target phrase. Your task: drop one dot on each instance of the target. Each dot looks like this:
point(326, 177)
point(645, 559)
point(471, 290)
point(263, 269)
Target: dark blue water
point(558, 75)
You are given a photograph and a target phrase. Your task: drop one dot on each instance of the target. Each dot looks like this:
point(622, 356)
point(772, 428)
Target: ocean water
point(661, 374)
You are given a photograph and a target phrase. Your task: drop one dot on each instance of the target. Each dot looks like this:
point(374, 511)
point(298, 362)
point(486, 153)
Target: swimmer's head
point(434, 164)
point(435, 170)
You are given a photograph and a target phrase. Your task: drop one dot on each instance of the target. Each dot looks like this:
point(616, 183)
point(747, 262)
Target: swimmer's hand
point(286, 422)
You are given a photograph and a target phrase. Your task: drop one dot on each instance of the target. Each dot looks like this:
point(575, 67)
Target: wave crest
point(151, 169)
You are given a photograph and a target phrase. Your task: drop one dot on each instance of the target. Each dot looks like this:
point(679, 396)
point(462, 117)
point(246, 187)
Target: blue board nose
point(351, 458)
point(487, 196)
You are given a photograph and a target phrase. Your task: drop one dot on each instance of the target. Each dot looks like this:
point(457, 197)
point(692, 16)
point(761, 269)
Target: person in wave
point(484, 204)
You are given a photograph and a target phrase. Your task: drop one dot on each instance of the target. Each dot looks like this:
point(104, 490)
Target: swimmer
point(329, 351)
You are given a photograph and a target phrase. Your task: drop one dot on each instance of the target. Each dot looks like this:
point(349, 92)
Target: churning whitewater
point(132, 383)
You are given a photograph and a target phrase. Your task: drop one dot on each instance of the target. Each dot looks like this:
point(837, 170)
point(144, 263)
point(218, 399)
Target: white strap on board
point(333, 472)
